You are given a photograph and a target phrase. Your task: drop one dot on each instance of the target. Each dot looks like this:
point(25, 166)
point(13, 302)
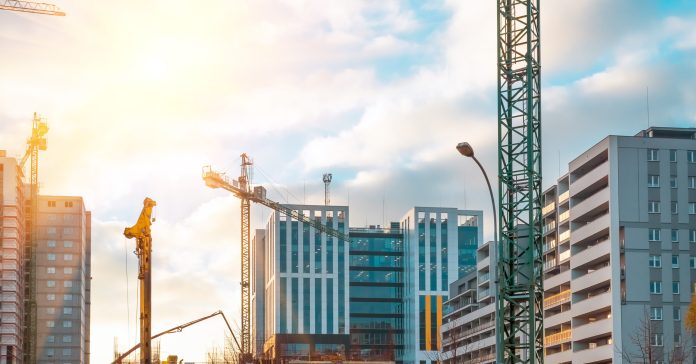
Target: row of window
point(53, 230)
point(656, 287)
point(654, 181)
point(50, 352)
point(52, 270)
point(52, 283)
point(654, 207)
point(654, 235)
point(52, 297)
point(656, 313)
point(66, 217)
point(66, 203)
point(66, 243)
point(66, 257)
point(66, 310)
point(655, 261)
point(654, 155)
point(66, 339)
point(66, 323)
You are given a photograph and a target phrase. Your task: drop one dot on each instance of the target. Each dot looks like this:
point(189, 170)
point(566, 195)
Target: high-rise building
point(376, 293)
point(257, 291)
point(620, 250)
point(13, 236)
point(306, 286)
point(439, 247)
point(63, 276)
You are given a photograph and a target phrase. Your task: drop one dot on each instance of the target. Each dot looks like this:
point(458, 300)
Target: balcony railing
point(484, 277)
point(564, 256)
point(550, 226)
point(550, 263)
point(557, 299)
point(563, 196)
point(548, 208)
point(564, 235)
point(550, 245)
point(484, 293)
point(564, 216)
point(557, 338)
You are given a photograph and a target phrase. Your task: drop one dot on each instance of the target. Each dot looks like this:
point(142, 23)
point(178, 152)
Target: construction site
point(416, 241)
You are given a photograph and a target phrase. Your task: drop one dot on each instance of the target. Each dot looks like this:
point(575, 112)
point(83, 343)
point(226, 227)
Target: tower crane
point(242, 189)
point(143, 249)
point(35, 143)
point(327, 181)
point(520, 298)
point(31, 7)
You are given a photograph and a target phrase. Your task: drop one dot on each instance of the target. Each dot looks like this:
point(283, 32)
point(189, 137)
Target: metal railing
point(557, 338)
point(564, 256)
point(550, 245)
point(548, 208)
point(564, 235)
point(564, 216)
point(563, 196)
point(550, 263)
point(550, 226)
point(557, 299)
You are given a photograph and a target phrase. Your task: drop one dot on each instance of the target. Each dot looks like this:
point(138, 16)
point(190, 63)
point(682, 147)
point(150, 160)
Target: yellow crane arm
point(141, 229)
point(31, 7)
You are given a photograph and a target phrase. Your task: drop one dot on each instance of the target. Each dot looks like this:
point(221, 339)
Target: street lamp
point(466, 150)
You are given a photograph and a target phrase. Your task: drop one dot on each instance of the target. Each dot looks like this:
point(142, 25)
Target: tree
point(690, 322)
point(647, 345)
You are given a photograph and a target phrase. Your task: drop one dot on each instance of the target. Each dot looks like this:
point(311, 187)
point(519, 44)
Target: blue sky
point(140, 96)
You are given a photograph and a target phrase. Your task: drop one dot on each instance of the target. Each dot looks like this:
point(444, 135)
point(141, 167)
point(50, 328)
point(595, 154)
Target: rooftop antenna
point(647, 102)
point(327, 180)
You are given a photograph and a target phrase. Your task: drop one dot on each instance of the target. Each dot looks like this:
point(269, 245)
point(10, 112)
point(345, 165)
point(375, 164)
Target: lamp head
point(465, 149)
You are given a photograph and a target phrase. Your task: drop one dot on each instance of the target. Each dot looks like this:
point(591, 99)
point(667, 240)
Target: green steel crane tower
point(520, 298)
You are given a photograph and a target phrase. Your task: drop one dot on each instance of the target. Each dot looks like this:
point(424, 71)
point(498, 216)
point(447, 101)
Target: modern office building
point(620, 249)
point(13, 237)
point(63, 280)
point(376, 266)
point(468, 329)
point(306, 286)
point(439, 248)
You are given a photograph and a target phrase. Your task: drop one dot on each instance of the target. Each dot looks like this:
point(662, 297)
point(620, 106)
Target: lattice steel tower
point(520, 298)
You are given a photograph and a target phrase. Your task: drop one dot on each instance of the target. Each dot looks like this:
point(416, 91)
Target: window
point(653, 207)
point(675, 287)
point(654, 234)
point(50, 338)
point(51, 297)
point(675, 235)
point(676, 313)
point(673, 181)
point(673, 155)
point(51, 256)
point(50, 323)
point(68, 231)
point(50, 270)
point(653, 155)
point(67, 323)
point(51, 230)
point(50, 283)
point(67, 284)
point(674, 208)
point(67, 310)
point(51, 204)
point(50, 310)
point(67, 297)
point(50, 352)
point(67, 256)
point(692, 236)
point(655, 287)
point(691, 156)
point(692, 262)
point(68, 244)
point(68, 217)
point(656, 313)
point(692, 208)
point(692, 182)
point(656, 340)
point(675, 261)
point(655, 261)
point(653, 180)
point(68, 204)
point(677, 340)
point(67, 352)
point(51, 243)
point(67, 338)
point(67, 270)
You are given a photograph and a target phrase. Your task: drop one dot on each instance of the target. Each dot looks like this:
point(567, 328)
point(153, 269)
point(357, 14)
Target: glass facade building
point(376, 293)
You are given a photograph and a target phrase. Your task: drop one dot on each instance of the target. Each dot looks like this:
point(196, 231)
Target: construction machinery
point(35, 143)
point(520, 297)
point(31, 7)
point(242, 189)
point(180, 328)
point(143, 249)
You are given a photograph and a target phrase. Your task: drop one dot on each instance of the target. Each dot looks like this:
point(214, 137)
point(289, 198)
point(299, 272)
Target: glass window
point(654, 207)
point(691, 156)
point(656, 340)
point(67, 284)
point(50, 310)
point(655, 287)
point(380, 261)
point(654, 234)
point(674, 208)
point(67, 297)
point(675, 261)
point(50, 270)
point(50, 352)
point(692, 182)
point(67, 257)
point(676, 312)
point(51, 243)
point(653, 155)
point(50, 283)
point(653, 180)
point(67, 270)
point(67, 352)
point(50, 323)
point(50, 338)
point(68, 231)
point(675, 287)
point(672, 155)
point(656, 313)
point(375, 308)
point(655, 261)
point(375, 276)
point(675, 235)
point(51, 297)
point(67, 338)
point(68, 244)
point(51, 257)
point(67, 310)
point(692, 208)
point(51, 230)
point(67, 323)
point(692, 262)
point(673, 181)
point(692, 236)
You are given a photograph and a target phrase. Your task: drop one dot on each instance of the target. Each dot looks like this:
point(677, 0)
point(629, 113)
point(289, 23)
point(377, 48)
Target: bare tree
point(646, 348)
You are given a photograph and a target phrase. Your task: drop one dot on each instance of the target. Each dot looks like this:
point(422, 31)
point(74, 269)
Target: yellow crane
point(242, 189)
point(31, 7)
point(143, 249)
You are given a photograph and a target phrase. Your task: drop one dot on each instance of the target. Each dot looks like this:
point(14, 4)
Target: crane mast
point(31, 7)
point(520, 297)
point(327, 181)
point(143, 249)
point(245, 185)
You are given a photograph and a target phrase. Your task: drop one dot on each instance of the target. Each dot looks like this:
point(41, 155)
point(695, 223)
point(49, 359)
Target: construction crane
point(143, 249)
point(327, 181)
point(35, 143)
point(180, 328)
point(243, 190)
point(520, 297)
point(31, 7)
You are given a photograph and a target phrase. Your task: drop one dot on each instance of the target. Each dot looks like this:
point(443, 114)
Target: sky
point(140, 95)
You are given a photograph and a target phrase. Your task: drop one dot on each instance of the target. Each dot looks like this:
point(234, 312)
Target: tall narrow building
point(63, 274)
point(13, 235)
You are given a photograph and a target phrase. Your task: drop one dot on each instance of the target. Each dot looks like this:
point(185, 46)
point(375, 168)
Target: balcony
point(599, 353)
point(590, 179)
point(550, 245)
point(559, 357)
point(564, 235)
point(564, 256)
point(557, 280)
point(592, 304)
point(483, 278)
point(558, 338)
point(550, 263)
point(549, 227)
point(591, 230)
point(548, 208)
point(591, 254)
point(564, 216)
point(591, 279)
point(563, 197)
point(591, 205)
point(484, 293)
point(557, 299)
point(593, 329)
